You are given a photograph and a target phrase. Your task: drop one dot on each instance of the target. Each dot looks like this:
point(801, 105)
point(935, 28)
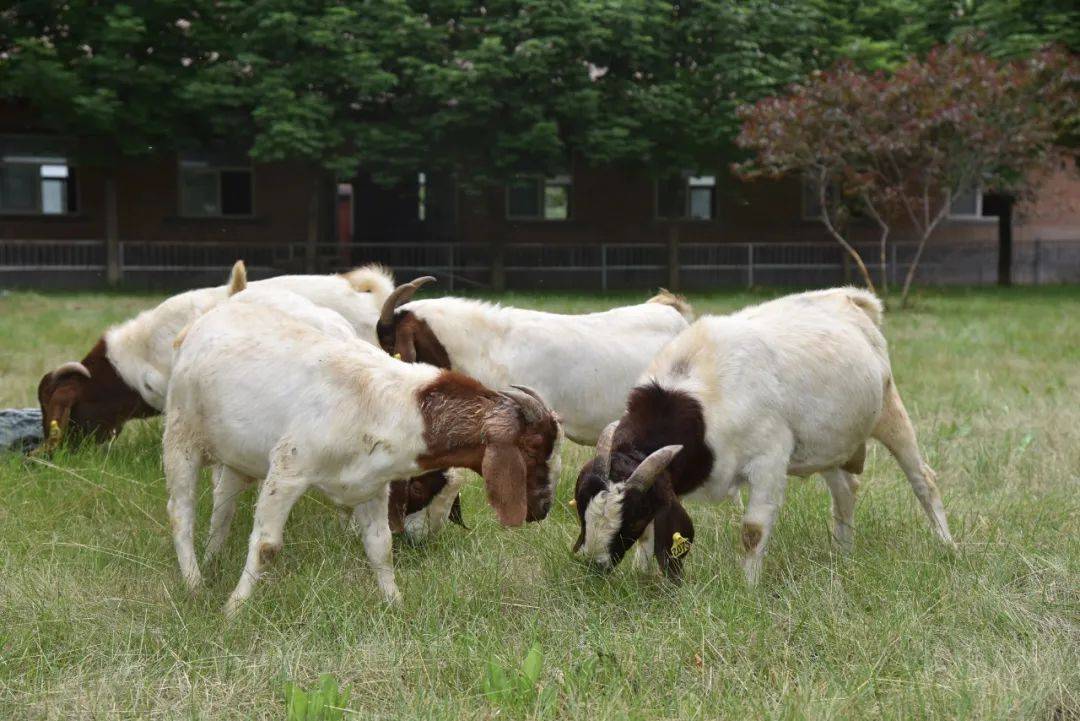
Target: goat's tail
point(867, 302)
point(678, 302)
point(372, 278)
point(237, 278)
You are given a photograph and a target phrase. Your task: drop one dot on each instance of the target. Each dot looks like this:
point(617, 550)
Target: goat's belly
point(806, 461)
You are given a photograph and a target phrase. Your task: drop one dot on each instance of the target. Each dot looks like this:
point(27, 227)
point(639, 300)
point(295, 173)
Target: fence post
point(603, 267)
point(749, 265)
point(114, 270)
point(673, 258)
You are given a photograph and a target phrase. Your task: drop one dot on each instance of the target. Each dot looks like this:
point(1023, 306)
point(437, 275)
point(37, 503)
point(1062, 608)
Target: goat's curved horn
point(70, 367)
point(645, 474)
point(402, 294)
point(532, 405)
point(603, 447)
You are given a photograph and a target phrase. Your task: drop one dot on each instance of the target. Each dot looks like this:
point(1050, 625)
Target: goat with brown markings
point(268, 395)
point(794, 386)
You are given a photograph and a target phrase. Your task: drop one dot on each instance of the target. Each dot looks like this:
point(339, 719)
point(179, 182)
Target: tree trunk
point(884, 260)
point(1005, 241)
point(927, 232)
point(311, 244)
point(824, 202)
point(496, 211)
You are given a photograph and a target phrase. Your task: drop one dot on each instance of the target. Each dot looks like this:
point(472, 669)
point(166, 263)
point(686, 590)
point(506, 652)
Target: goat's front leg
point(768, 481)
point(370, 520)
point(277, 496)
point(430, 520)
point(643, 552)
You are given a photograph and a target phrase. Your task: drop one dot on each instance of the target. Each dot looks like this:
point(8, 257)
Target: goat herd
point(344, 384)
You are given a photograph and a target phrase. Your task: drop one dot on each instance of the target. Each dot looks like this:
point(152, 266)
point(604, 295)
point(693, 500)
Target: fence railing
point(600, 266)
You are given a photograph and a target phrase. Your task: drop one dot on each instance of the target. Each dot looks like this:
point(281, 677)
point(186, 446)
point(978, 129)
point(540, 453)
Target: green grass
point(95, 623)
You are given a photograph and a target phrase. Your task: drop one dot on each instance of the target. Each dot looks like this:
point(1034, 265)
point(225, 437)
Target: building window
point(539, 198)
point(214, 187)
point(686, 196)
point(36, 183)
point(967, 205)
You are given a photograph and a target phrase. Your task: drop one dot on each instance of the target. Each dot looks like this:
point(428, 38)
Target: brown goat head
point(87, 399)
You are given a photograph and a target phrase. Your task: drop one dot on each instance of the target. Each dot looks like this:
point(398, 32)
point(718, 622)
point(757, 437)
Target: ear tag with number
point(680, 544)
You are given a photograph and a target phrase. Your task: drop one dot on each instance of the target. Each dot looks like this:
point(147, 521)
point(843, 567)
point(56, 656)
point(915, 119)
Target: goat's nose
point(601, 568)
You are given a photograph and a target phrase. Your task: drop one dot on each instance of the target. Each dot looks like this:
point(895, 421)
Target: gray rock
point(20, 429)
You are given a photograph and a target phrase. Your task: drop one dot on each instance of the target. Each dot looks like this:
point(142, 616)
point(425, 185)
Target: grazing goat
point(284, 391)
point(583, 365)
point(126, 374)
point(793, 386)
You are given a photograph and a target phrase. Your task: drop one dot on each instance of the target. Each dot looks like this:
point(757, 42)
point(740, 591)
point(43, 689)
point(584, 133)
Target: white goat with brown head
point(583, 365)
point(285, 392)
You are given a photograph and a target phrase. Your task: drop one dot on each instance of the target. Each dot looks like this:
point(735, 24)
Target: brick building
point(206, 198)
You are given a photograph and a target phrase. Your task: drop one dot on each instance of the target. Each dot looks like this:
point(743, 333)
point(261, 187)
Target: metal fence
point(584, 266)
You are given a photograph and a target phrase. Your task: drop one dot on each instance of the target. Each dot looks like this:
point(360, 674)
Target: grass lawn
point(95, 623)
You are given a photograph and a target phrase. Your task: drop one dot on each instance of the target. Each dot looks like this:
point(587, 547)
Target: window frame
point(183, 164)
point(39, 160)
point(979, 192)
point(542, 182)
point(688, 187)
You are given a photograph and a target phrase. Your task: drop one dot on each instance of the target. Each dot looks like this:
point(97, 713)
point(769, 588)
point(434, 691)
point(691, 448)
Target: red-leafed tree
point(899, 146)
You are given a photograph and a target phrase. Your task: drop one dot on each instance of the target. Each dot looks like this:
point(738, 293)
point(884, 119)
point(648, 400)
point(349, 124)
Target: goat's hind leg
point(894, 429)
point(842, 486)
point(182, 461)
point(277, 495)
point(228, 484)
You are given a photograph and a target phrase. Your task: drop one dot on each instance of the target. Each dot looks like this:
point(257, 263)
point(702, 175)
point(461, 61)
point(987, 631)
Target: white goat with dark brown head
point(284, 391)
point(794, 386)
point(583, 365)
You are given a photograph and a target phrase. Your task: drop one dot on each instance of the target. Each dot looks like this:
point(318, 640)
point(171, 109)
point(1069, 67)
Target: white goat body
point(583, 365)
point(141, 349)
point(792, 386)
point(271, 386)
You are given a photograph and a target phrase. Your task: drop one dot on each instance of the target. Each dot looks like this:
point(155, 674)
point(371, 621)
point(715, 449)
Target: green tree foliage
point(479, 89)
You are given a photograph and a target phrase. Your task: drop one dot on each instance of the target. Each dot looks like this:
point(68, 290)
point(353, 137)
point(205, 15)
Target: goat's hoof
point(232, 608)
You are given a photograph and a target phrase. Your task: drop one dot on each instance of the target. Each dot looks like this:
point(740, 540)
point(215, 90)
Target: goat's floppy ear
point(673, 534)
point(503, 469)
point(405, 345)
point(56, 395)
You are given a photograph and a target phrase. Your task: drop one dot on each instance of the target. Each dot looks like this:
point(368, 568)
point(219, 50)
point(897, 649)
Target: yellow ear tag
point(397, 356)
point(680, 544)
point(572, 503)
point(54, 431)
